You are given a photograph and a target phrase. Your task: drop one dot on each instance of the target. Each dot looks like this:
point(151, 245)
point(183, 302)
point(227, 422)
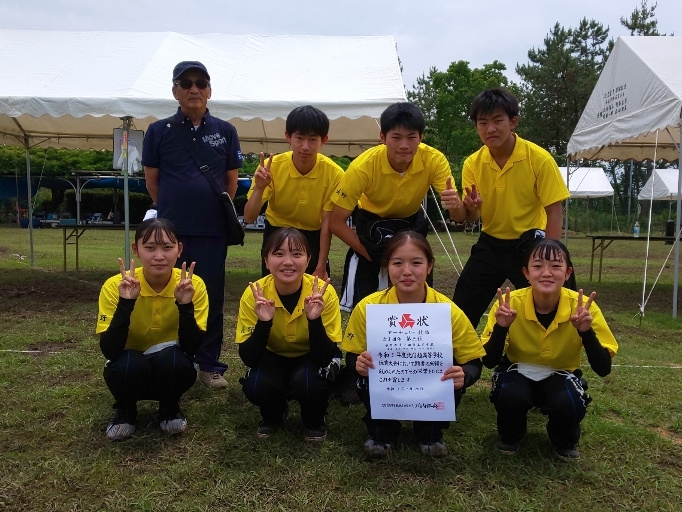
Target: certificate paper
point(411, 347)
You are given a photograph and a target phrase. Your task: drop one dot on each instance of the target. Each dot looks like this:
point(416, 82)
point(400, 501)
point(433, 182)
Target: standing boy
point(516, 189)
point(298, 186)
point(387, 184)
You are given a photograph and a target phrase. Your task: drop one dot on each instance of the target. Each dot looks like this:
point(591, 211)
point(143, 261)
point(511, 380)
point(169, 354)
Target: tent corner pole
point(30, 203)
point(676, 277)
point(568, 167)
point(127, 123)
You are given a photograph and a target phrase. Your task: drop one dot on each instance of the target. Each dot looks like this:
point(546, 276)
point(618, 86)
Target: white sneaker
point(119, 428)
point(212, 380)
point(436, 449)
point(175, 425)
point(377, 450)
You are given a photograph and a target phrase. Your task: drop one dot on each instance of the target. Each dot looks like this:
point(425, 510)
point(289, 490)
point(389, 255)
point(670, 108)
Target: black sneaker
point(508, 447)
point(568, 453)
point(315, 434)
point(120, 427)
point(265, 430)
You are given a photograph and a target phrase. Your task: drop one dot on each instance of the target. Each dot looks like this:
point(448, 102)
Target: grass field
point(55, 406)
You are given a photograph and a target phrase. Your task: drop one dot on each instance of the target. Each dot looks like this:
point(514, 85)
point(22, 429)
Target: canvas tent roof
point(587, 182)
point(661, 185)
point(74, 87)
point(639, 92)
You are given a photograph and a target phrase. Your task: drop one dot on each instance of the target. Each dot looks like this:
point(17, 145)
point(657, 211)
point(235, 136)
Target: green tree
point(558, 82)
point(52, 161)
point(642, 21)
point(445, 98)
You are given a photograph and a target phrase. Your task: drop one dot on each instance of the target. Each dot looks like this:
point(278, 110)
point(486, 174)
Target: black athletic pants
point(387, 431)
point(164, 376)
point(278, 379)
point(560, 396)
point(492, 261)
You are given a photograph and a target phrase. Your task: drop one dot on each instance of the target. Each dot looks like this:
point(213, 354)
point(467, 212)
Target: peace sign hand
point(129, 287)
point(582, 320)
point(184, 291)
point(449, 198)
point(504, 314)
point(262, 175)
point(264, 308)
point(314, 304)
point(473, 200)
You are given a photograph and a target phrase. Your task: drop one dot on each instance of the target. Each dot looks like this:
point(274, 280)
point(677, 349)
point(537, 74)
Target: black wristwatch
point(153, 207)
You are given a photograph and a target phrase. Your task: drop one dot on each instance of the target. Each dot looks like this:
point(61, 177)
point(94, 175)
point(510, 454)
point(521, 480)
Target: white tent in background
point(635, 111)
point(587, 182)
point(72, 89)
point(661, 185)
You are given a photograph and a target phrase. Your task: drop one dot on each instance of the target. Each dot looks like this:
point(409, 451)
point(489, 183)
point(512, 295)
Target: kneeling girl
point(409, 260)
point(288, 332)
point(542, 331)
point(150, 324)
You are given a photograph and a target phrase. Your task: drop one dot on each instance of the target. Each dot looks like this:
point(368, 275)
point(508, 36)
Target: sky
point(428, 33)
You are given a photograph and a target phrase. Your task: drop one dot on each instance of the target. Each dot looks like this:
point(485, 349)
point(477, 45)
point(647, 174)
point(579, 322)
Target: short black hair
point(492, 100)
point(403, 114)
point(307, 120)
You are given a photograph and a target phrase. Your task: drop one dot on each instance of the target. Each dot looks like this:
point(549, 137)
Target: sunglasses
point(186, 83)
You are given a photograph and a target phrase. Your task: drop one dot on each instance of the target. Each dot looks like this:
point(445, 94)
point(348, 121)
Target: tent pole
point(568, 174)
point(632, 163)
point(127, 122)
point(30, 203)
point(677, 221)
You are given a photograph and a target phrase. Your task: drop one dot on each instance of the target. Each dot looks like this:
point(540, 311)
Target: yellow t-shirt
point(289, 332)
point(560, 345)
point(296, 200)
point(514, 198)
point(466, 344)
point(155, 317)
point(371, 182)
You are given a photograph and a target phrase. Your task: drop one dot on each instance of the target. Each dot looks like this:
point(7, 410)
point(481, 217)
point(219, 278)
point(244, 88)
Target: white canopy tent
point(72, 89)
point(635, 110)
point(662, 185)
point(587, 182)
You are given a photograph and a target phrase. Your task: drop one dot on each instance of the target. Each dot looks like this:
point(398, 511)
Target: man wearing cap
point(185, 197)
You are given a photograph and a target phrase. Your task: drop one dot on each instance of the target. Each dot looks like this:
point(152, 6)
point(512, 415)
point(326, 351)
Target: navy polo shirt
point(185, 196)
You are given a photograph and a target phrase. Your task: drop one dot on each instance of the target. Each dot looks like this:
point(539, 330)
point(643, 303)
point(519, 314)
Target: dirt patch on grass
point(665, 433)
point(31, 292)
point(40, 350)
point(673, 437)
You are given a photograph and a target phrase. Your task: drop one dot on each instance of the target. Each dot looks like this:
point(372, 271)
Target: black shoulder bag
point(235, 229)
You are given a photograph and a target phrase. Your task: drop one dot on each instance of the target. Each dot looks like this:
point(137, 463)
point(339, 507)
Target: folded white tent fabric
point(73, 87)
